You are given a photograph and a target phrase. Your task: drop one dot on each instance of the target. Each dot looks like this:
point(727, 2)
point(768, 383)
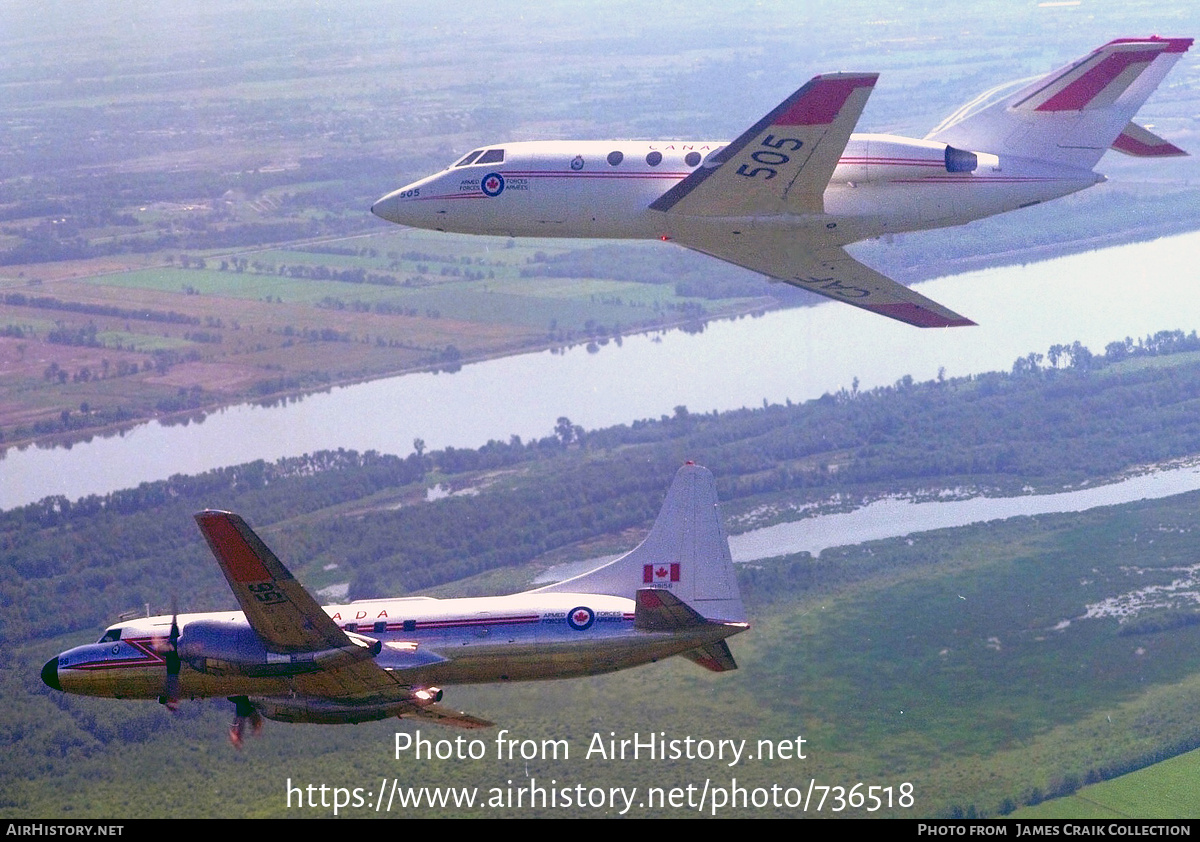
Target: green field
point(1166, 790)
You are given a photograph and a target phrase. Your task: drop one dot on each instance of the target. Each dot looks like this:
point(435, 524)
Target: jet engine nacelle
point(874, 157)
point(233, 648)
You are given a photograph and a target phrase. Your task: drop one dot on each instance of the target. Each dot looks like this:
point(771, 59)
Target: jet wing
point(831, 272)
point(784, 161)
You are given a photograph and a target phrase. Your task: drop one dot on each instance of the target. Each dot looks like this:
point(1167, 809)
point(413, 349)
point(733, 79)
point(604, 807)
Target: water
point(1095, 298)
point(892, 517)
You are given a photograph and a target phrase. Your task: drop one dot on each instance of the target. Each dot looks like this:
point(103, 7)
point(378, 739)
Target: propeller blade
point(170, 696)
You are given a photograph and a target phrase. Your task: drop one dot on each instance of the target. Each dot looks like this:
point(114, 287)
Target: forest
point(188, 228)
point(366, 521)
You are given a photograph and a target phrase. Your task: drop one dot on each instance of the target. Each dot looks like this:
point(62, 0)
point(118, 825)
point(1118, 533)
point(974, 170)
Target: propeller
point(170, 653)
point(244, 712)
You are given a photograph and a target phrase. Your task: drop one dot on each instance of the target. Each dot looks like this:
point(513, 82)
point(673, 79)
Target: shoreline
point(945, 268)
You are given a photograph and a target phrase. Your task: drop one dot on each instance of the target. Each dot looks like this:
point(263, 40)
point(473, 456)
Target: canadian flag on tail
point(654, 574)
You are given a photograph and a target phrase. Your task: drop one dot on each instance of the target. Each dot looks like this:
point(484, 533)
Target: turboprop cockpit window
point(492, 156)
point(110, 635)
point(471, 156)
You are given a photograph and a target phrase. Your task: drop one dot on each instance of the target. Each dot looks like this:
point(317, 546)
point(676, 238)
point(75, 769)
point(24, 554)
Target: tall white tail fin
point(686, 552)
point(1071, 116)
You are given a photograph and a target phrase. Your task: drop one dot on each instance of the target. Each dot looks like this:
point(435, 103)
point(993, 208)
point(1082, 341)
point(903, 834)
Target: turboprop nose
point(50, 674)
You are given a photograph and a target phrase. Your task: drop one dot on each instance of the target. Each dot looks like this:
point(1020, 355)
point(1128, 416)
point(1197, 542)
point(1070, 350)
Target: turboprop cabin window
point(492, 156)
point(471, 156)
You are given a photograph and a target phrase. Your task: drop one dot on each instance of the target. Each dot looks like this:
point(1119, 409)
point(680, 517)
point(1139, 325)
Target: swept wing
point(831, 272)
point(783, 162)
point(782, 165)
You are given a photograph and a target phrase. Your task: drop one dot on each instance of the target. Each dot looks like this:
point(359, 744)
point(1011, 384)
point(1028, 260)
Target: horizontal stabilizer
point(714, 656)
point(1143, 143)
point(660, 610)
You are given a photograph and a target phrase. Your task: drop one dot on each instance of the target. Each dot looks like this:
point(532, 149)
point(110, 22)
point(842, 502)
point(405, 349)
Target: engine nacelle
point(879, 157)
point(234, 648)
point(331, 712)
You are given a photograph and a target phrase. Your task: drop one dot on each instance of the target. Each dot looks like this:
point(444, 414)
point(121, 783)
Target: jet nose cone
point(387, 208)
point(50, 674)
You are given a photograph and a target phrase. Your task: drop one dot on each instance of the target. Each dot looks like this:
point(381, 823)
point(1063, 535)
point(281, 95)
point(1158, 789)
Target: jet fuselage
point(603, 189)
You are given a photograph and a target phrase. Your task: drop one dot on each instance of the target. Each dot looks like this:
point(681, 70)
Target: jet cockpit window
point(492, 156)
point(110, 635)
point(471, 156)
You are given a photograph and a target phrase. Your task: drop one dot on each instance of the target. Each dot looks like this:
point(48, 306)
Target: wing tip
point(1173, 45)
point(915, 314)
point(821, 99)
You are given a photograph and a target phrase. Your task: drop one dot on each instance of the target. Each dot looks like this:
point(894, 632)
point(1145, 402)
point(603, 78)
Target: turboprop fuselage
point(285, 657)
point(522, 637)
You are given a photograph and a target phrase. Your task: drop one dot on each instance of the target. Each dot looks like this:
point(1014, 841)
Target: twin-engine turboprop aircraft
point(285, 657)
point(786, 197)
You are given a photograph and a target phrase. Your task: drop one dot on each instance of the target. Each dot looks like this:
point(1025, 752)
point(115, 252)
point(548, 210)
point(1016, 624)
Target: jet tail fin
point(686, 553)
point(1074, 114)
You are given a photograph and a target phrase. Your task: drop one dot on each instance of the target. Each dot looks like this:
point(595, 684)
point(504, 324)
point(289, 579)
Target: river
point(894, 517)
point(799, 354)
